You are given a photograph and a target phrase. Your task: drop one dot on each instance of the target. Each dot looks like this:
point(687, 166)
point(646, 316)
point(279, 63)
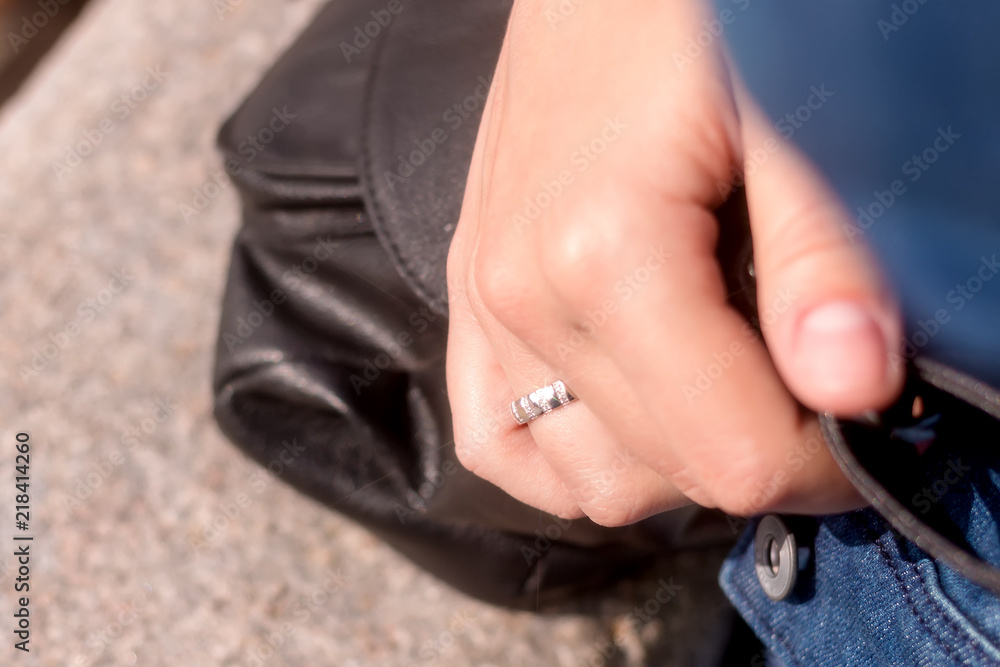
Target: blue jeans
point(896, 102)
point(869, 597)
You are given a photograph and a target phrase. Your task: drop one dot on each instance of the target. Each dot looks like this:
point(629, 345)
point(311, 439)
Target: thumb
point(829, 318)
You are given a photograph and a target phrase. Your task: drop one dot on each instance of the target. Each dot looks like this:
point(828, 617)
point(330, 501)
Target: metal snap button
point(776, 557)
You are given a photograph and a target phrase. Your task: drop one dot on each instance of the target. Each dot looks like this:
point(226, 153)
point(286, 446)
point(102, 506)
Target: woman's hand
point(586, 252)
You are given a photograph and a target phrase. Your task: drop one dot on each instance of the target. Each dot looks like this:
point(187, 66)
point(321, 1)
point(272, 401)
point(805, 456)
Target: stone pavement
point(109, 299)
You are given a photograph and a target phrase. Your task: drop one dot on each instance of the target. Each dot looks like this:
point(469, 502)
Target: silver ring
point(540, 401)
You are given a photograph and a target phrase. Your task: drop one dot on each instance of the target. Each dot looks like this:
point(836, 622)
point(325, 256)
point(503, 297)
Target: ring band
point(540, 401)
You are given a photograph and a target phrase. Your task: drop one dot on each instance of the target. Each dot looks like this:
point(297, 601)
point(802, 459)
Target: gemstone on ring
point(541, 401)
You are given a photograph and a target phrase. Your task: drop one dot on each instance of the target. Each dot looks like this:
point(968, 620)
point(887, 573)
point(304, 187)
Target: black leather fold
point(416, 157)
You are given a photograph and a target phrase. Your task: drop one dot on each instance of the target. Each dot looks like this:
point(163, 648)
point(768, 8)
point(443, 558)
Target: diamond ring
point(540, 401)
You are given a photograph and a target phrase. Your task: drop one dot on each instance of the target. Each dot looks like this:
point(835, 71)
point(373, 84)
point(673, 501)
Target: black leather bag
point(350, 158)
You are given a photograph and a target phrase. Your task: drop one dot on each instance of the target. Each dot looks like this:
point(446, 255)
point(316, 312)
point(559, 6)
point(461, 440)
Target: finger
point(610, 485)
point(487, 439)
point(834, 346)
point(741, 433)
point(590, 451)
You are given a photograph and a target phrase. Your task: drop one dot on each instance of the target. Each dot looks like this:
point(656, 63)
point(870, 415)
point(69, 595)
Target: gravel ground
point(110, 312)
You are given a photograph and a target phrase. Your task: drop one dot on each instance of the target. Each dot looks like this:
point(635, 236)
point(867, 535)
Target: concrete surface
point(109, 301)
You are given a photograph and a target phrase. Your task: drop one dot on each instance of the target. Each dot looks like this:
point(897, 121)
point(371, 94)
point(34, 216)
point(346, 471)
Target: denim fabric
point(866, 596)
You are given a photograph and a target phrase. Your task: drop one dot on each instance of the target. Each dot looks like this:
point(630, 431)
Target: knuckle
point(503, 287)
point(744, 486)
point(472, 446)
point(734, 503)
point(610, 497)
point(567, 510)
point(580, 259)
point(468, 456)
point(690, 488)
point(614, 513)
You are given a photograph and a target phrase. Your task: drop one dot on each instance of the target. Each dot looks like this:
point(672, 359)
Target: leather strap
point(880, 466)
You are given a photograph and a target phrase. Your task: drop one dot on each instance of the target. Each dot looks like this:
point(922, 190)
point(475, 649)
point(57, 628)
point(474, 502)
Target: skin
point(523, 290)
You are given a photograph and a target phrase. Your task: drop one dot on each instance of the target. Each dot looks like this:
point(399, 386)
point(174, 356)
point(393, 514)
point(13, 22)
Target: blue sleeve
point(898, 104)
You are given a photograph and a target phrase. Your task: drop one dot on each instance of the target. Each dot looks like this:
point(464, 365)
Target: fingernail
point(840, 348)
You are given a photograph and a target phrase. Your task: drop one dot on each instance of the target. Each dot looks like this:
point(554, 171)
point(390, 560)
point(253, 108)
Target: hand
point(586, 252)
